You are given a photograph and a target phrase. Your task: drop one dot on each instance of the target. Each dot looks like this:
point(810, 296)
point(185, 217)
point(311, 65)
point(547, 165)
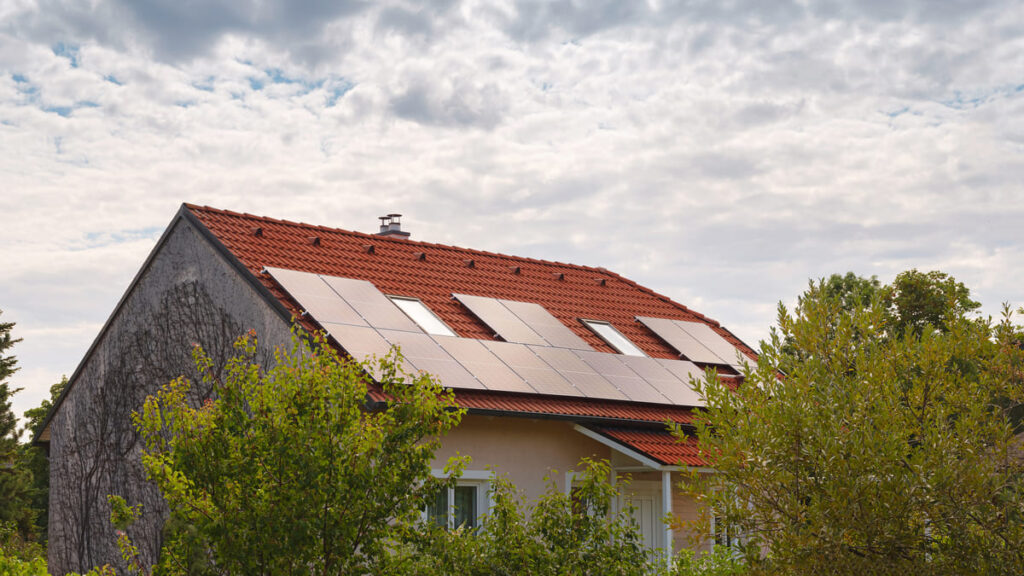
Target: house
point(553, 362)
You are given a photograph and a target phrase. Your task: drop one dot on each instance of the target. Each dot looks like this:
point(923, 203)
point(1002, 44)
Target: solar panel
point(578, 373)
point(427, 355)
point(500, 319)
point(662, 380)
point(362, 342)
point(546, 325)
point(330, 310)
point(541, 376)
point(613, 368)
point(314, 296)
point(449, 373)
point(711, 340)
point(375, 308)
point(297, 283)
point(684, 370)
point(682, 341)
point(483, 364)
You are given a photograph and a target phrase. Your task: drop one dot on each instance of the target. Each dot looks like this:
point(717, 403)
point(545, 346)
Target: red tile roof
point(659, 445)
point(433, 272)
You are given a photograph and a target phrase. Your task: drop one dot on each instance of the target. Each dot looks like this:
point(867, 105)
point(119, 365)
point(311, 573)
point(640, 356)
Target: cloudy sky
point(721, 152)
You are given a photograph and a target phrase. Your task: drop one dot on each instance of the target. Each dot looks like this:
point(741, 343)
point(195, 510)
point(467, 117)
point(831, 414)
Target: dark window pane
point(438, 509)
point(465, 506)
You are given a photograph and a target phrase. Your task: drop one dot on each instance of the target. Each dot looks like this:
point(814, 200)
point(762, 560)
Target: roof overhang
point(644, 460)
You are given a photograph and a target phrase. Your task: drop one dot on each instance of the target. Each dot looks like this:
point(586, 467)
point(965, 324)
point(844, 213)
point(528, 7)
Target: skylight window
point(421, 315)
point(613, 337)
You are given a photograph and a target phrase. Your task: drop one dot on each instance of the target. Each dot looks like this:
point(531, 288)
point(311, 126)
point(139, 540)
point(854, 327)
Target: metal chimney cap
point(391, 226)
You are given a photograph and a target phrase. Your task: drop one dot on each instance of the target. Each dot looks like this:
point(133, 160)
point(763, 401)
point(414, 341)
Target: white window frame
point(479, 479)
point(630, 349)
point(440, 329)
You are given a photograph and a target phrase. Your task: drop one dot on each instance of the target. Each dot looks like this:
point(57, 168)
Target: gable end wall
point(189, 293)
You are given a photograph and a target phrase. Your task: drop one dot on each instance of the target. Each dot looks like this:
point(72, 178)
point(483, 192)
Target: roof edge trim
point(576, 418)
point(631, 452)
point(230, 258)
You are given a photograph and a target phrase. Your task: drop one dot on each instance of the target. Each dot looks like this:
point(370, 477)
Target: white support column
point(666, 508)
point(615, 484)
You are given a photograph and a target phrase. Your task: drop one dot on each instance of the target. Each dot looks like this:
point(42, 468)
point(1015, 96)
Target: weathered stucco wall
point(188, 294)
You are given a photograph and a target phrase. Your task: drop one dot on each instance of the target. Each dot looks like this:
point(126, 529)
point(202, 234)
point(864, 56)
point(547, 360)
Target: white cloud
point(720, 153)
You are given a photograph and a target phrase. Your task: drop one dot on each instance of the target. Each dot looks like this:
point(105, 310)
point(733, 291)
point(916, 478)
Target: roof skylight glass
point(421, 315)
point(613, 337)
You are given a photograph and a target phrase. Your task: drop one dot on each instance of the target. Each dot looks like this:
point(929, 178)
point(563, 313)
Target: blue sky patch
point(277, 76)
point(338, 90)
point(205, 85)
point(69, 51)
point(65, 111)
point(62, 111)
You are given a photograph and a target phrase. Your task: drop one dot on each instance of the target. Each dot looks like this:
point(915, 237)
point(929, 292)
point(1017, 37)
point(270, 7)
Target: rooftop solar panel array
point(500, 319)
point(547, 326)
point(540, 355)
point(696, 341)
point(522, 322)
point(374, 307)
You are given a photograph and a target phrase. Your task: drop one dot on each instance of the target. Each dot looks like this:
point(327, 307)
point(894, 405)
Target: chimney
point(391, 227)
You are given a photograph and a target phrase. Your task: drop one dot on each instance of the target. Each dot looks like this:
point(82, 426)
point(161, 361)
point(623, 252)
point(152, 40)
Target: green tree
point(560, 534)
point(851, 290)
point(916, 300)
point(290, 470)
point(887, 446)
point(15, 481)
point(34, 460)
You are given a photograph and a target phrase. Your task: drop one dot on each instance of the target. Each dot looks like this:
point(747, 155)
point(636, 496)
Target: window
point(458, 506)
point(613, 337)
point(455, 507)
point(723, 534)
point(421, 315)
point(462, 505)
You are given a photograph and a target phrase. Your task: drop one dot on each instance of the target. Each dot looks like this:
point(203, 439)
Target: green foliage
point(916, 300)
point(886, 447)
point(15, 480)
point(33, 459)
point(720, 562)
point(14, 566)
point(14, 546)
point(289, 470)
point(561, 534)
point(851, 291)
point(26, 558)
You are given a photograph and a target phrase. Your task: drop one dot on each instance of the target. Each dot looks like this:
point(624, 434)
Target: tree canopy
point(15, 480)
point(874, 436)
point(290, 470)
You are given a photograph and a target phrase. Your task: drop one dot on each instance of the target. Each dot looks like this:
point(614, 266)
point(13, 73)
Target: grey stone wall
point(189, 294)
